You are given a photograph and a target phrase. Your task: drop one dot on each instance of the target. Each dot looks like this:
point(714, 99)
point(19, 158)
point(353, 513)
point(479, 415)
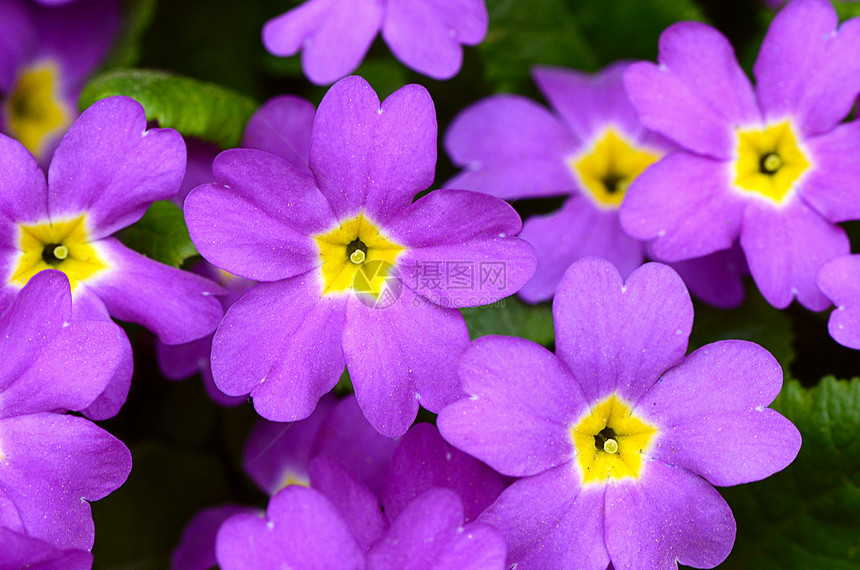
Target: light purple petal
point(549, 521)
point(23, 189)
point(712, 409)
point(276, 451)
point(281, 343)
point(669, 106)
point(423, 460)
point(430, 535)
point(400, 355)
point(17, 38)
point(510, 147)
point(198, 169)
point(333, 35)
point(347, 437)
point(301, 530)
point(785, 247)
point(620, 336)
point(22, 551)
point(179, 361)
point(178, 306)
point(522, 400)
point(53, 464)
point(686, 204)
point(78, 36)
point(282, 126)
point(36, 315)
point(832, 186)
point(256, 221)
point(426, 34)
point(358, 506)
point(70, 372)
point(467, 240)
point(679, 518)
point(717, 278)
point(109, 166)
point(807, 69)
point(372, 156)
point(588, 103)
point(579, 229)
point(196, 548)
point(839, 279)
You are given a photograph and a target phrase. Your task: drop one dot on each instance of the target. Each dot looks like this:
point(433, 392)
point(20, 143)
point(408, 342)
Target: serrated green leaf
point(512, 317)
point(755, 321)
point(161, 234)
point(807, 516)
point(192, 107)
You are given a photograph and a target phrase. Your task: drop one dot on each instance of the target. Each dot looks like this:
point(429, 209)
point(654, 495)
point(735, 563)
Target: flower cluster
point(325, 279)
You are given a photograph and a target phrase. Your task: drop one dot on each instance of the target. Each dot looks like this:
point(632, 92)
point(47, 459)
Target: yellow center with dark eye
point(769, 162)
point(62, 245)
point(609, 441)
point(356, 256)
point(607, 168)
point(35, 113)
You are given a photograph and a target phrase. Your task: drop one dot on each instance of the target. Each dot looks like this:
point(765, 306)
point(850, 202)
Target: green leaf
point(511, 317)
point(755, 321)
point(807, 516)
point(161, 234)
point(192, 107)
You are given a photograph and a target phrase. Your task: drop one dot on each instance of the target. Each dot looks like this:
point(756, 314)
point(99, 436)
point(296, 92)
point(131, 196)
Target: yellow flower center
point(609, 166)
point(609, 441)
point(770, 162)
point(62, 245)
point(356, 256)
point(35, 113)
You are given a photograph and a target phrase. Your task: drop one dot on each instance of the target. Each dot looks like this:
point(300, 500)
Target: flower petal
point(548, 521)
point(196, 548)
point(109, 166)
point(716, 278)
point(400, 354)
point(23, 189)
point(577, 230)
point(839, 279)
point(372, 156)
point(53, 465)
point(281, 343)
point(178, 306)
point(334, 36)
point(22, 551)
point(282, 126)
point(17, 36)
point(832, 187)
point(620, 336)
point(807, 69)
point(510, 147)
point(785, 247)
point(467, 240)
point(522, 400)
point(685, 203)
point(715, 421)
point(257, 220)
point(679, 518)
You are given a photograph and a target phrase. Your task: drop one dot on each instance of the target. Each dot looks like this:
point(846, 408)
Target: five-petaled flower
point(619, 437)
point(338, 251)
point(771, 166)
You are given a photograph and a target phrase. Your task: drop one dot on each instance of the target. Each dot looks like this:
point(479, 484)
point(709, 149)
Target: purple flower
point(589, 147)
point(342, 528)
point(46, 56)
point(334, 35)
point(22, 551)
point(771, 166)
point(344, 255)
point(51, 464)
point(104, 174)
point(619, 437)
